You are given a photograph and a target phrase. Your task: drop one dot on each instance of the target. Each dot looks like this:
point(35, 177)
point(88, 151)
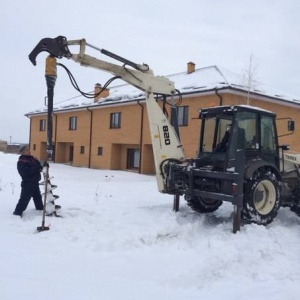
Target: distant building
point(112, 132)
point(9, 147)
point(3, 146)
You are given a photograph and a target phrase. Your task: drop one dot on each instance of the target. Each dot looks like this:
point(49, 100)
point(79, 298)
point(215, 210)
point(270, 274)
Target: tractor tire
point(261, 198)
point(202, 205)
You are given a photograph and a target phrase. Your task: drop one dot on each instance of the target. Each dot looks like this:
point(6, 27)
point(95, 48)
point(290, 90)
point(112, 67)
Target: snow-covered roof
point(201, 80)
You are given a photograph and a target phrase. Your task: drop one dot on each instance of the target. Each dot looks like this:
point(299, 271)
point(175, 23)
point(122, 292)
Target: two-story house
point(112, 132)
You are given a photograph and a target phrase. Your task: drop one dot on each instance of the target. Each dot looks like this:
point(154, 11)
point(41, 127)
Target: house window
point(183, 114)
point(115, 120)
point(100, 151)
point(133, 158)
point(34, 147)
point(81, 149)
point(73, 123)
point(42, 125)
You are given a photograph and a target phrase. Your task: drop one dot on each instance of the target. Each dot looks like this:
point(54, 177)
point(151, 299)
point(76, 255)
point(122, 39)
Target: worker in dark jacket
point(29, 169)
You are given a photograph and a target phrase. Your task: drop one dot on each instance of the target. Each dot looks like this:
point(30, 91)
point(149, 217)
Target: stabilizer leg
point(176, 202)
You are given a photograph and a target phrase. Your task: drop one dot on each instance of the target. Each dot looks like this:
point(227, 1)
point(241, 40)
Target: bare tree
point(249, 78)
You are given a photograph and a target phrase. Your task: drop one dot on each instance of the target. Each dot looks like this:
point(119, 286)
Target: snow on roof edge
point(202, 80)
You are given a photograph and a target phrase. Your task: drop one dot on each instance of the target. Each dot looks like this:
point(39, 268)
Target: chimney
point(190, 67)
point(97, 89)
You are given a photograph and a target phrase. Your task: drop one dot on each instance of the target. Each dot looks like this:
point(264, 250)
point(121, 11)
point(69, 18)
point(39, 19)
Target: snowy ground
point(119, 239)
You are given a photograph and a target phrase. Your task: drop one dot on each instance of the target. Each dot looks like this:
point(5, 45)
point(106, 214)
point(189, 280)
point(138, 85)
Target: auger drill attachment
point(57, 48)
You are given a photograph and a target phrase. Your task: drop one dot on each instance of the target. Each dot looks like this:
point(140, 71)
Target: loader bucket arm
point(57, 47)
point(165, 140)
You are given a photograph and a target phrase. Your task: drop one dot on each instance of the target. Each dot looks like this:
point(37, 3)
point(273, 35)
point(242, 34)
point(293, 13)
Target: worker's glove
point(45, 164)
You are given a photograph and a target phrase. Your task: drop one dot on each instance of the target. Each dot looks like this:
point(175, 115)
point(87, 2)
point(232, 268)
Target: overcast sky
point(164, 34)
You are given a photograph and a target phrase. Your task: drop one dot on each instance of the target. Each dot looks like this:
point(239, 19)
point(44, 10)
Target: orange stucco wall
point(93, 131)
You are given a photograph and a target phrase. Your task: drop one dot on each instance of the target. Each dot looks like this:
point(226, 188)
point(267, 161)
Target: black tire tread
point(249, 213)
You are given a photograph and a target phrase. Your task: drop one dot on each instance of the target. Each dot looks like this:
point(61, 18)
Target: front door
point(71, 153)
point(133, 158)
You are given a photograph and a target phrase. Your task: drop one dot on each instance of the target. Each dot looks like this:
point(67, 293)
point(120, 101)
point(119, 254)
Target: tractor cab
point(225, 129)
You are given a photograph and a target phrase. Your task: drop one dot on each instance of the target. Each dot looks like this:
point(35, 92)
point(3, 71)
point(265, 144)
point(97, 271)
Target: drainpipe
point(90, 144)
point(141, 135)
point(221, 99)
point(55, 138)
point(30, 126)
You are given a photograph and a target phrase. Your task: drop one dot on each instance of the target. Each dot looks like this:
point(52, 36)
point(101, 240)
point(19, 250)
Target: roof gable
point(201, 80)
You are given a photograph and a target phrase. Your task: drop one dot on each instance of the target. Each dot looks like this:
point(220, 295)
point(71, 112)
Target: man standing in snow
point(29, 169)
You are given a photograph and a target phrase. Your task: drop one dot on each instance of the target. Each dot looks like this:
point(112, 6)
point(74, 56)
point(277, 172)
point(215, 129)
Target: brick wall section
point(95, 123)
